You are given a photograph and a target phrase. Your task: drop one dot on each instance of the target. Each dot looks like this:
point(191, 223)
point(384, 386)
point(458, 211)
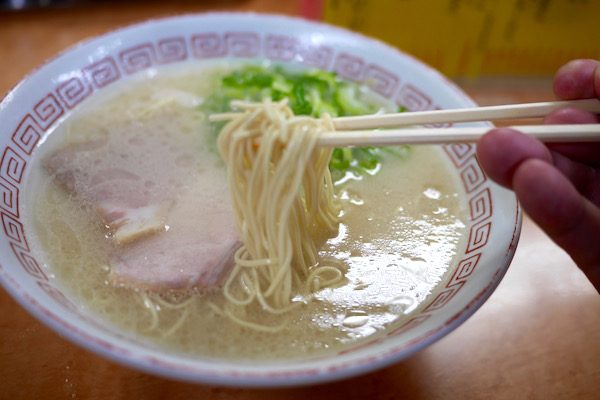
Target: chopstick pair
point(365, 130)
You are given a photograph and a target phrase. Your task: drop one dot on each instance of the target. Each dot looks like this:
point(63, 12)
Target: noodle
point(282, 195)
point(153, 302)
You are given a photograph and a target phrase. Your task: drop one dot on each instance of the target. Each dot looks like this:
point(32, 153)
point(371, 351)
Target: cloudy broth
point(399, 233)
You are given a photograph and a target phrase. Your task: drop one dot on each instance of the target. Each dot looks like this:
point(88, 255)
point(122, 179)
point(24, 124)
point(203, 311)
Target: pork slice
point(195, 251)
point(167, 208)
point(116, 190)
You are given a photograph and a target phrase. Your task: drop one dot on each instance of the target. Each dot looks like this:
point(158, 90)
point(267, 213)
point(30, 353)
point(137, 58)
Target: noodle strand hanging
point(283, 201)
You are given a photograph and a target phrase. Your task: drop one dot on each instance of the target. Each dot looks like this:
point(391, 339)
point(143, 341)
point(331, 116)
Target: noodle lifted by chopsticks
point(283, 199)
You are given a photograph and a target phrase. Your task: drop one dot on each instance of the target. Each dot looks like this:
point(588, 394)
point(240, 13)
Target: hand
point(558, 185)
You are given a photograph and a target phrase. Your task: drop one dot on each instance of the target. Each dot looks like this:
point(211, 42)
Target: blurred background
point(495, 50)
point(475, 42)
point(471, 38)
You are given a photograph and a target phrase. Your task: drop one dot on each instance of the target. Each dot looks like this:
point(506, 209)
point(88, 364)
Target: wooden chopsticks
point(365, 130)
point(546, 133)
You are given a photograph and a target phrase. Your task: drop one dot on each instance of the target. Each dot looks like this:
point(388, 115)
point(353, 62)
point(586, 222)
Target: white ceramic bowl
point(43, 98)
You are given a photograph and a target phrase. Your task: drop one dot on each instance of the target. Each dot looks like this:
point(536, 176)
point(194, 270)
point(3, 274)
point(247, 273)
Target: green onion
point(311, 93)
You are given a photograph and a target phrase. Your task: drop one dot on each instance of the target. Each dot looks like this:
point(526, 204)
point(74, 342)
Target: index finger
point(578, 79)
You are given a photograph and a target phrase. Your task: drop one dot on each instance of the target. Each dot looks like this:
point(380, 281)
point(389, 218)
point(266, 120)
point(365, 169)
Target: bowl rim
point(108, 351)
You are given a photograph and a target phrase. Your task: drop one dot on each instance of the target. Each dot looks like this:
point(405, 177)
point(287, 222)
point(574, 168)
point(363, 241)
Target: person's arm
point(558, 185)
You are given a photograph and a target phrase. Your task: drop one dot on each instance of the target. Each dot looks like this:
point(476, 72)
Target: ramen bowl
point(43, 99)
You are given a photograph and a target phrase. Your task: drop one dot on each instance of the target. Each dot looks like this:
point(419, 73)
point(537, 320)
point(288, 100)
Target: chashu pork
point(171, 222)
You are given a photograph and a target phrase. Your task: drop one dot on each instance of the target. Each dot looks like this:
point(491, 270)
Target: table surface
point(538, 336)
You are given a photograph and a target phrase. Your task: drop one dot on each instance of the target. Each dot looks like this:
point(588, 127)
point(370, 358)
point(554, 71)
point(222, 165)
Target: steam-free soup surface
point(399, 232)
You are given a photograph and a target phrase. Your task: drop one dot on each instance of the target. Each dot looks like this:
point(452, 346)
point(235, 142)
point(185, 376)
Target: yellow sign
point(479, 37)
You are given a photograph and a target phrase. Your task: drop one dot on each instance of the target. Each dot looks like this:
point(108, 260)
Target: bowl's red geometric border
point(207, 45)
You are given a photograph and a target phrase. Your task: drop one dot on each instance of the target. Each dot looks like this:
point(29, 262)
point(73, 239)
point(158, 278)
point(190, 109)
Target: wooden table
point(537, 337)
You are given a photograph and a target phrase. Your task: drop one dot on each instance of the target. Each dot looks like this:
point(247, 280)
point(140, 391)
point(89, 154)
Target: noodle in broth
point(398, 232)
